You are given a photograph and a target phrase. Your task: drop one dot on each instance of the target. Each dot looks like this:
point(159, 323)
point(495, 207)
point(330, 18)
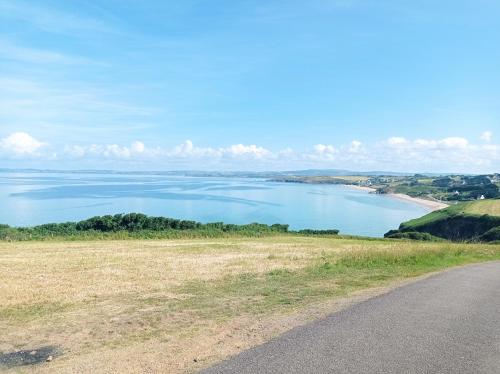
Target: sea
point(32, 198)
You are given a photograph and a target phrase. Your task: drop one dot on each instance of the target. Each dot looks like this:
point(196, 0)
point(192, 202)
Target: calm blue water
point(31, 198)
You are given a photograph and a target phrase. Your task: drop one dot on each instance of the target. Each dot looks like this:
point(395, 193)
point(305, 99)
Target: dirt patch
point(28, 357)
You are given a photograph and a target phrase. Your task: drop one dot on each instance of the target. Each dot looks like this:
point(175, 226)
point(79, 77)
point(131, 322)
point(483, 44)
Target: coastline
point(361, 188)
point(428, 204)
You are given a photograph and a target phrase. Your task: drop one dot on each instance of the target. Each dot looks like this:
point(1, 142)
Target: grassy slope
point(480, 207)
point(463, 221)
point(437, 215)
point(156, 305)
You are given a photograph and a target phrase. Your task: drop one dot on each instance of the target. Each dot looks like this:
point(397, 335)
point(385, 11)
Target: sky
point(407, 85)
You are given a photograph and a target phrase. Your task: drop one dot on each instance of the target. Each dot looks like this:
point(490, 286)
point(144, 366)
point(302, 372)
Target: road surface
point(448, 323)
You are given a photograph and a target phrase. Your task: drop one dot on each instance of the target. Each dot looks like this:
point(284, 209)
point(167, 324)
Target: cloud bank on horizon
point(246, 86)
point(452, 154)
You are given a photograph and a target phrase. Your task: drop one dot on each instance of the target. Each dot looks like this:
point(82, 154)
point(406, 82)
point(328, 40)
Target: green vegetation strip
point(141, 226)
point(333, 276)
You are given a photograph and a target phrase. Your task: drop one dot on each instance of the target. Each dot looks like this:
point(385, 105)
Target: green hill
point(470, 221)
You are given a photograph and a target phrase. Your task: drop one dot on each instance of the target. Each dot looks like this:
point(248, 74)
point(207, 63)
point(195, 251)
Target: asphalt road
point(448, 323)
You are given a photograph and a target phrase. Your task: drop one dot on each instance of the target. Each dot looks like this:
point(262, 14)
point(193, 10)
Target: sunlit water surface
point(36, 198)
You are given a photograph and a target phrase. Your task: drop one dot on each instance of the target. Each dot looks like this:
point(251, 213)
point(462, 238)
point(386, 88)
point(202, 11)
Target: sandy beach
point(429, 204)
point(361, 188)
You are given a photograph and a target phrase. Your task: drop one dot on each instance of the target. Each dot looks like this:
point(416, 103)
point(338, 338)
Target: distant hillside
point(340, 172)
point(469, 221)
point(447, 188)
point(343, 179)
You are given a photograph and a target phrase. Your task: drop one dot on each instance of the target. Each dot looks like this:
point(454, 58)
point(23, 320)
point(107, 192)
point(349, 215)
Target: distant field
point(340, 179)
point(178, 305)
point(353, 178)
point(491, 207)
point(350, 178)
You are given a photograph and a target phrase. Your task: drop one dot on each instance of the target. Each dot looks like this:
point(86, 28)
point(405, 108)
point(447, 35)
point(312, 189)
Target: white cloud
point(451, 154)
point(186, 150)
point(454, 142)
point(355, 146)
point(247, 150)
point(486, 136)
point(113, 151)
point(137, 147)
point(405, 144)
point(321, 152)
point(286, 153)
point(425, 143)
point(324, 149)
point(75, 151)
point(20, 143)
point(396, 141)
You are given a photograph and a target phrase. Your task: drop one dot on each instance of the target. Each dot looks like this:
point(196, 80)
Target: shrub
point(136, 225)
point(318, 232)
point(491, 235)
point(413, 235)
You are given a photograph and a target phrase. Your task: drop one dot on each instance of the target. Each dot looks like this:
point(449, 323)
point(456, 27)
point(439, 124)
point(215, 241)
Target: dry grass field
point(176, 306)
point(491, 207)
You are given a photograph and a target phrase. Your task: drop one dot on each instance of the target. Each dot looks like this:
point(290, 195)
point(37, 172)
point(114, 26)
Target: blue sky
point(391, 85)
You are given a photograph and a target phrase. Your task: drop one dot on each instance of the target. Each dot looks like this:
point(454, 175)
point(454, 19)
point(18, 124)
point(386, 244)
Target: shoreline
point(428, 204)
point(361, 188)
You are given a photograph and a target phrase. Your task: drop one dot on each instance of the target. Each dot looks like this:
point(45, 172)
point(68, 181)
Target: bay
point(35, 198)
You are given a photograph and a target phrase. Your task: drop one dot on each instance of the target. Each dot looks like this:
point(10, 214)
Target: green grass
point(468, 221)
point(332, 276)
point(32, 311)
point(16, 235)
point(417, 191)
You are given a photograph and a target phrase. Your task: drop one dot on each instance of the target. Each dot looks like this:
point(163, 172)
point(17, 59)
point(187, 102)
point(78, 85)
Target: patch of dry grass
point(156, 306)
point(489, 206)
